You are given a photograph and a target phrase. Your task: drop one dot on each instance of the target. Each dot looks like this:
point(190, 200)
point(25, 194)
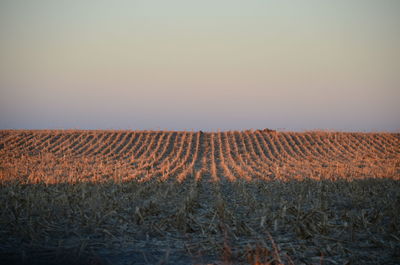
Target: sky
point(200, 65)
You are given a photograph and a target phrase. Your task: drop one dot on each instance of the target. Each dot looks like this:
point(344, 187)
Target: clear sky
point(209, 65)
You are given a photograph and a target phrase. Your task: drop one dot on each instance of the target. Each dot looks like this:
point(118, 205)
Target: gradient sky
point(209, 65)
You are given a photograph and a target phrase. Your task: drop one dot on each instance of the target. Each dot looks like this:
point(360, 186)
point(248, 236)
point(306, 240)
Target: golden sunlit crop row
point(71, 156)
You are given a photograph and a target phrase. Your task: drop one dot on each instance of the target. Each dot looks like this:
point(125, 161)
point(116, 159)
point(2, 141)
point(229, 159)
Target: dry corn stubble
point(257, 197)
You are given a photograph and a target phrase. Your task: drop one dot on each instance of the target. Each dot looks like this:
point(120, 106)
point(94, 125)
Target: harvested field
point(160, 197)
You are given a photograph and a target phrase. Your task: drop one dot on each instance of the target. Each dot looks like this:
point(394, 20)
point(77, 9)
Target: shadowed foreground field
point(154, 197)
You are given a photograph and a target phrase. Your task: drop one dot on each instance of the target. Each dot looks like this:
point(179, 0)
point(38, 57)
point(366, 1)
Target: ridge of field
point(70, 156)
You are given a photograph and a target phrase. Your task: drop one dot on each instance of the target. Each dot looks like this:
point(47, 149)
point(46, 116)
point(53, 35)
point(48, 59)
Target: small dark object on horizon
point(267, 130)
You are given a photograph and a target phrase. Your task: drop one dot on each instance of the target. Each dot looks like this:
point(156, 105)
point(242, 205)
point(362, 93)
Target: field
point(161, 197)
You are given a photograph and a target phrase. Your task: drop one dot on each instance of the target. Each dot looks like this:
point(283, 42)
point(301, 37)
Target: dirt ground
point(253, 197)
